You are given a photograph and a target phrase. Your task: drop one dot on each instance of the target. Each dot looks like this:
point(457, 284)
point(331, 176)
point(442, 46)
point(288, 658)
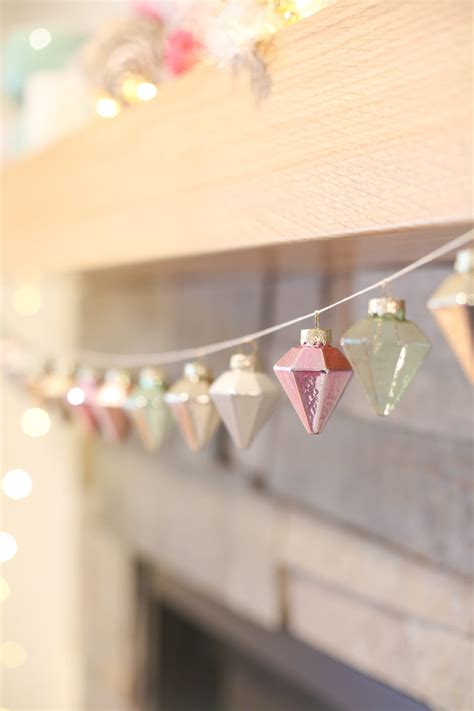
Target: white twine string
point(141, 360)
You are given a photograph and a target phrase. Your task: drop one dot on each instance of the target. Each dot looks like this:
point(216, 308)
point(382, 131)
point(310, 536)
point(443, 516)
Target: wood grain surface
point(367, 129)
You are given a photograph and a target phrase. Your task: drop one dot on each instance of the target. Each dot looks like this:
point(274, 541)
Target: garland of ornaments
point(384, 350)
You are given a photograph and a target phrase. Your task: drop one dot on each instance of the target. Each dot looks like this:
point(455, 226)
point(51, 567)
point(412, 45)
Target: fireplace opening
point(197, 655)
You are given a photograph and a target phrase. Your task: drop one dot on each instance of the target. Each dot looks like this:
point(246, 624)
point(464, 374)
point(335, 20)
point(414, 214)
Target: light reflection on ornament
point(12, 655)
point(76, 396)
point(81, 397)
point(40, 38)
point(35, 422)
point(26, 299)
point(314, 376)
point(17, 484)
point(107, 107)
point(8, 547)
point(4, 590)
point(109, 402)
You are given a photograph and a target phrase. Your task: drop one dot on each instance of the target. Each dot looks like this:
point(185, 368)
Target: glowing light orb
point(8, 547)
point(35, 422)
point(40, 38)
point(107, 107)
point(26, 299)
point(4, 591)
point(76, 396)
point(146, 91)
point(17, 484)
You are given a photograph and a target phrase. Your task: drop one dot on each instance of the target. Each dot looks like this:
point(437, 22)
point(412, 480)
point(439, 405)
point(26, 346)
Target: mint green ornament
point(385, 351)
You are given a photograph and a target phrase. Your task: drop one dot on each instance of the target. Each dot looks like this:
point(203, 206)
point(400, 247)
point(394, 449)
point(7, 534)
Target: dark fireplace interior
point(199, 656)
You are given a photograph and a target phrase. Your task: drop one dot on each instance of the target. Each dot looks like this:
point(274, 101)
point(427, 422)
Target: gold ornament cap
point(387, 306)
point(243, 361)
point(464, 261)
point(149, 377)
point(196, 371)
point(316, 337)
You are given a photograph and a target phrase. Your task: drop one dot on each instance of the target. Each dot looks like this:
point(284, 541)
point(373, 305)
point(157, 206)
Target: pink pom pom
point(181, 51)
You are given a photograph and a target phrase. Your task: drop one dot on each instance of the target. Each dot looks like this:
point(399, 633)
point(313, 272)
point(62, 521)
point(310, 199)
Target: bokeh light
point(40, 38)
point(12, 655)
point(26, 299)
point(8, 547)
point(107, 107)
point(17, 484)
point(4, 589)
point(35, 422)
point(146, 91)
point(76, 396)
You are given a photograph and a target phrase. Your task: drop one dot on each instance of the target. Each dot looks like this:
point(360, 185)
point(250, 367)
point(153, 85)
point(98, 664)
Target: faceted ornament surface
point(81, 398)
point(110, 400)
point(314, 378)
point(385, 353)
point(148, 410)
point(452, 305)
point(192, 408)
point(245, 400)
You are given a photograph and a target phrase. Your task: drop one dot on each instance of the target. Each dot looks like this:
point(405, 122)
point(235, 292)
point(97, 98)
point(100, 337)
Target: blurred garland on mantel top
point(130, 57)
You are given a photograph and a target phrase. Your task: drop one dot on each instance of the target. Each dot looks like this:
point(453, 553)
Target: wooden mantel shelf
point(367, 130)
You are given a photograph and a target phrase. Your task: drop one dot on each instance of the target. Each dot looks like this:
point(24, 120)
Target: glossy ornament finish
point(110, 400)
point(192, 407)
point(81, 399)
point(50, 386)
point(452, 305)
point(148, 410)
point(385, 351)
point(314, 376)
point(244, 398)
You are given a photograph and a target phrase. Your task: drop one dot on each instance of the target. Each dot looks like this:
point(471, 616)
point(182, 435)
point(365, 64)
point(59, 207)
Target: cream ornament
point(245, 399)
point(192, 407)
point(452, 305)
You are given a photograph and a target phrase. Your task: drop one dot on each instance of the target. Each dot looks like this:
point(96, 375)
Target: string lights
point(385, 351)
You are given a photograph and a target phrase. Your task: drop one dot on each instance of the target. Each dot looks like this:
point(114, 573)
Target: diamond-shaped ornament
point(50, 386)
point(148, 410)
point(244, 397)
point(385, 351)
point(81, 398)
point(314, 376)
point(110, 401)
point(452, 305)
point(192, 407)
